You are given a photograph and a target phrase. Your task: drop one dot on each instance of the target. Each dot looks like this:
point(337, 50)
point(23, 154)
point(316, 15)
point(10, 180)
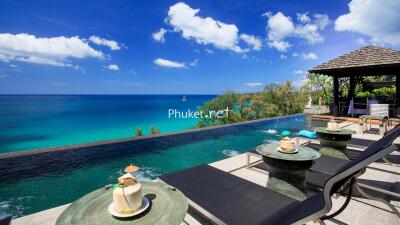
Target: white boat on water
point(184, 98)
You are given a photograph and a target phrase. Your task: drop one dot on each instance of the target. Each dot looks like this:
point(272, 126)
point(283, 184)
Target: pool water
point(65, 177)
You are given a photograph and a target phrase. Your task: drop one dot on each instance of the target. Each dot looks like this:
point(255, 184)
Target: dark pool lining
point(27, 164)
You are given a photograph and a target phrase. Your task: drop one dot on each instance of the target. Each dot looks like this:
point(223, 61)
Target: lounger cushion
point(358, 142)
point(328, 164)
point(229, 198)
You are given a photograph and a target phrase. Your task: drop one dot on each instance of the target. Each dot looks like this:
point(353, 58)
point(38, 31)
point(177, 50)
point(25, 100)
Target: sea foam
point(230, 153)
point(270, 131)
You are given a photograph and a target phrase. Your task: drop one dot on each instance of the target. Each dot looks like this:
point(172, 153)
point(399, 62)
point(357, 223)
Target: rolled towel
point(285, 133)
point(308, 134)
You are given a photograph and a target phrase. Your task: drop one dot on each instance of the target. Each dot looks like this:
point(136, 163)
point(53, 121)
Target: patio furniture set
point(296, 192)
point(369, 110)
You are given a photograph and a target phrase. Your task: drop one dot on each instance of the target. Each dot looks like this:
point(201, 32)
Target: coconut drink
point(287, 145)
point(127, 194)
point(332, 126)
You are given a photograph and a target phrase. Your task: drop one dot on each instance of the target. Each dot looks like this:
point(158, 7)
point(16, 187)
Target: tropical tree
point(275, 100)
point(319, 86)
point(284, 99)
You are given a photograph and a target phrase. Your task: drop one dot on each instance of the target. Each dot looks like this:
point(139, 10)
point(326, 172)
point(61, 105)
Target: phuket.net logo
point(189, 114)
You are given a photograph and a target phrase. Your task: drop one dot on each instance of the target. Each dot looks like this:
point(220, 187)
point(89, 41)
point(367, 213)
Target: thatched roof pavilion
point(366, 61)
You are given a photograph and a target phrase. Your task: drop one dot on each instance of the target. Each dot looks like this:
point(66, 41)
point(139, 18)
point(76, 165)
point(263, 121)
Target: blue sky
point(204, 47)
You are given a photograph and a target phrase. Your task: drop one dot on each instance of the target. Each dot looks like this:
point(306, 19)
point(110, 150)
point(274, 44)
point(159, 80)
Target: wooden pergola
point(366, 61)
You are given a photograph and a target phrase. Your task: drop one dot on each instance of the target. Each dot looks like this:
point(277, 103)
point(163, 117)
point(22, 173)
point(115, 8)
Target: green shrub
point(154, 130)
point(364, 94)
point(138, 132)
point(385, 92)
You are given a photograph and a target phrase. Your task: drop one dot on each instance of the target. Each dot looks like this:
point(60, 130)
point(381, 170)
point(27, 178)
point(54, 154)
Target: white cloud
point(253, 84)
point(169, 63)
point(281, 27)
point(303, 17)
point(209, 51)
point(361, 41)
point(378, 19)
point(281, 46)
point(283, 56)
point(309, 56)
point(254, 42)
point(41, 60)
point(322, 20)
point(41, 50)
point(298, 72)
point(205, 31)
point(310, 33)
point(300, 80)
point(194, 62)
point(13, 66)
point(113, 67)
point(306, 56)
point(159, 35)
point(113, 45)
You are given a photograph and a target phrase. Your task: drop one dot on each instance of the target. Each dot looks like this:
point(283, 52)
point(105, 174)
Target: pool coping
point(72, 147)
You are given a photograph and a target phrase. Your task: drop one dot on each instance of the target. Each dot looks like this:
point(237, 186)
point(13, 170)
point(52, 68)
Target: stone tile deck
point(360, 211)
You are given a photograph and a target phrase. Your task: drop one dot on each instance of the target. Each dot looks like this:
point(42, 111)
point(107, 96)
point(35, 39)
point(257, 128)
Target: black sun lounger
point(227, 199)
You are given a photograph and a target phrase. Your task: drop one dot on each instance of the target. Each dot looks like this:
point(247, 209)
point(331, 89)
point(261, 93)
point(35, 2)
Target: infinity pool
point(33, 183)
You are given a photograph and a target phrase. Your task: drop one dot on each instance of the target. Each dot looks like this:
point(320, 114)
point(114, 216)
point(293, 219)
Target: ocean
point(41, 121)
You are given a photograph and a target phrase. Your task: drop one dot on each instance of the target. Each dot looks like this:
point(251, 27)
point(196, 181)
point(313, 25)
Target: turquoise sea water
point(40, 121)
point(77, 177)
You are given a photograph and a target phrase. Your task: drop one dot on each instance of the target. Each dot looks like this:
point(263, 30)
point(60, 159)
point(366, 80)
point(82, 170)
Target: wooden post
point(335, 95)
point(397, 103)
point(352, 88)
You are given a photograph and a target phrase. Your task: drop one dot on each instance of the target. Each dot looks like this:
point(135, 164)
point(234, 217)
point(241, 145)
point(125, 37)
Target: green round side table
point(168, 205)
point(334, 143)
point(287, 172)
